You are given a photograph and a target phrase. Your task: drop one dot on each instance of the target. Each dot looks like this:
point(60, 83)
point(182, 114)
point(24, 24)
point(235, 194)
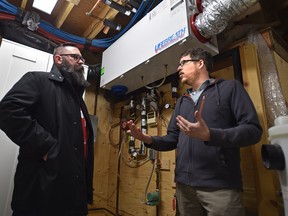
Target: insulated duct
point(213, 16)
point(273, 94)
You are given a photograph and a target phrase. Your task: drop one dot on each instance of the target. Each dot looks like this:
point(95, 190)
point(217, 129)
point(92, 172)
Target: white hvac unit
point(138, 58)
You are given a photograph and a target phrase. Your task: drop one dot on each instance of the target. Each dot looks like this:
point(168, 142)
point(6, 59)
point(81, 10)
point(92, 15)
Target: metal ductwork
point(213, 16)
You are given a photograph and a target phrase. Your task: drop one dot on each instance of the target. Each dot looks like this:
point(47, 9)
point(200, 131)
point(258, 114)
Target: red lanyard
point(84, 133)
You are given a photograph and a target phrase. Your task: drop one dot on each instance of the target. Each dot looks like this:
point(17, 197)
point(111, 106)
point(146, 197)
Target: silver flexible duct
point(273, 93)
point(217, 13)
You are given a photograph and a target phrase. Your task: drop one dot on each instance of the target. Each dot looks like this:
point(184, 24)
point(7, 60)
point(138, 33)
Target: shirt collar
point(202, 86)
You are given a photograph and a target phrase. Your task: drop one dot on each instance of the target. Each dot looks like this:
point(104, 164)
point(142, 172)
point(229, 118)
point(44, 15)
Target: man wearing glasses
point(208, 126)
point(45, 115)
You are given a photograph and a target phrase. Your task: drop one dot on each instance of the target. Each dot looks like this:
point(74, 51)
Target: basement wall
point(120, 183)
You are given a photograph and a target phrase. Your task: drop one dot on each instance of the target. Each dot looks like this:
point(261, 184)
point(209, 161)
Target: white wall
point(15, 60)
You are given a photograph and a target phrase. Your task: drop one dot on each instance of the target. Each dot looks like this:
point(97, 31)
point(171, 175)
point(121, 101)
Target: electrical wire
point(112, 143)
point(164, 121)
point(148, 183)
point(149, 7)
point(108, 196)
point(128, 163)
point(139, 14)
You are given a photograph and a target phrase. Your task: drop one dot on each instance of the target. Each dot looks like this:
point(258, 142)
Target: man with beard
point(208, 137)
point(45, 115)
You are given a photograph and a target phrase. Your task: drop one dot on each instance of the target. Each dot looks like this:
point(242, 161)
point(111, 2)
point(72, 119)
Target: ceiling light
point(44, 5)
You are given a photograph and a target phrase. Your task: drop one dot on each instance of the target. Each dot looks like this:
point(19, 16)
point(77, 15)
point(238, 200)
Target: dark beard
point(77, 74)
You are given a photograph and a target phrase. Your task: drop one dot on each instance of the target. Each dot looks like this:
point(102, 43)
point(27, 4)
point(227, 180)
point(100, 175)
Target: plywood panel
point(102, 150)
point(264, 179)
point(121, 188)
point(134, 175)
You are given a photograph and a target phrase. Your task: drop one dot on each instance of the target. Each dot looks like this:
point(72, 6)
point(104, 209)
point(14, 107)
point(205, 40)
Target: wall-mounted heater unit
point(138, 58)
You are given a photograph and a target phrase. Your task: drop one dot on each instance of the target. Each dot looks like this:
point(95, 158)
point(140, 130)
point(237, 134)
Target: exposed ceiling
point(84, 19)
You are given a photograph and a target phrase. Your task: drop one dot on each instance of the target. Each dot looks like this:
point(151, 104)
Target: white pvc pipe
point(279, 135)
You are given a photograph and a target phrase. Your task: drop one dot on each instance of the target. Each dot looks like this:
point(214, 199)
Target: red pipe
point(7, 16)
point(199, 6)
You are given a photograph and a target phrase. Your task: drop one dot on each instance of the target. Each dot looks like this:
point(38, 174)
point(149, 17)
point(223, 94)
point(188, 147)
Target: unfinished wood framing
point(121, 189)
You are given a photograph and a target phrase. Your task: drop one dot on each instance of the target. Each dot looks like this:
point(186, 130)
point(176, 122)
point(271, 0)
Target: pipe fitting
point(216, 15)
point(273, 157)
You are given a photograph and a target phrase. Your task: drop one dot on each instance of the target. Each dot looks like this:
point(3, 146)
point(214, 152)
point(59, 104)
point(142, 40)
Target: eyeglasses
point(183, 62)
point(76, 57)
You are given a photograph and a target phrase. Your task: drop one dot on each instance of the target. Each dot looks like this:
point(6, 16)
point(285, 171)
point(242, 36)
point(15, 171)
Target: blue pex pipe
point(102, 43)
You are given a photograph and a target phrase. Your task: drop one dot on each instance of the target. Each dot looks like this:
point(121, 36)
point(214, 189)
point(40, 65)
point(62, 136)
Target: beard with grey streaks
point(77, 73)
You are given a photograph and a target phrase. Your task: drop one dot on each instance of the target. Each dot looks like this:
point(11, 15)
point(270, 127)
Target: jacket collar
point(55, 74)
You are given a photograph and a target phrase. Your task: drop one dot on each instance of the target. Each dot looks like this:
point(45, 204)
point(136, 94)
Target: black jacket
point(41, 113)
point(233, 122)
